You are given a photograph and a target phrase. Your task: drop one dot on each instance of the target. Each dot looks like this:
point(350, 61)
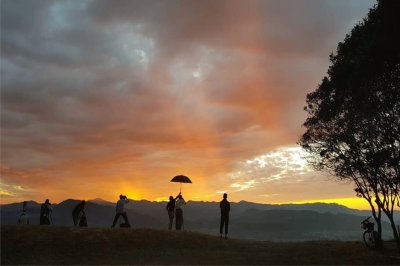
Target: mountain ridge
point(247, 220)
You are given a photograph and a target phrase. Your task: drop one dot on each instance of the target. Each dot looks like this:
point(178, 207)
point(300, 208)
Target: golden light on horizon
point(276, 177)
point(353, 203)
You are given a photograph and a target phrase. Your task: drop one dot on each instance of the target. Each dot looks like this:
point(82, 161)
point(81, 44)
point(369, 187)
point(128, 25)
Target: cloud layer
point(97, 94)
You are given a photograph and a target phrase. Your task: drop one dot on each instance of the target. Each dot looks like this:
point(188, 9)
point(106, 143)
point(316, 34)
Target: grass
point(64, 245)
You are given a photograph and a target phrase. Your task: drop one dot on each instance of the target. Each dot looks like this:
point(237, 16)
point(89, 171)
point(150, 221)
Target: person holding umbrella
point(180, 201)
point(179, 212)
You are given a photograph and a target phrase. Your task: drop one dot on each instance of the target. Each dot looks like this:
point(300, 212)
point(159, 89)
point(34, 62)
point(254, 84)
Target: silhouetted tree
point(353, 124)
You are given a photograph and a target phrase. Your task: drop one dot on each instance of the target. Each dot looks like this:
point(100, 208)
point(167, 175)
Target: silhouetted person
point(23, 218)
point(225, 208)
point(83, 221)
point(78, 212)
point(178, 212)
point(45, 212)
point(171, 210)
point(120, 211)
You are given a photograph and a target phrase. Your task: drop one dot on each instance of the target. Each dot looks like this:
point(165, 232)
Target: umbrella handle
point(180, 190)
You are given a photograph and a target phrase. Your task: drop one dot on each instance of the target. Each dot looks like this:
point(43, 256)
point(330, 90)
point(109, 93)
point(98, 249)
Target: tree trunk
point(395, 231)
point(379, 225)
point(377, 214)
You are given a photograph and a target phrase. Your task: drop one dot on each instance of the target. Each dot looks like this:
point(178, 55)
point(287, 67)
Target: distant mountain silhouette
point(287, 222)
point(101, 201)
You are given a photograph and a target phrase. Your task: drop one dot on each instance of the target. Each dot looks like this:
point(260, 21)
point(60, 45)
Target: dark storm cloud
point(290, 27)
point(94, 84)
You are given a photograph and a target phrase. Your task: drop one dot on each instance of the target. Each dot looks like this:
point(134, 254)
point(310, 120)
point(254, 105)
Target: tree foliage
point(353, 124)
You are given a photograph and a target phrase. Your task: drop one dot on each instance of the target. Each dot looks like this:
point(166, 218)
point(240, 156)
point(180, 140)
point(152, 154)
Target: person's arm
point(229, 206)
point(177, 195)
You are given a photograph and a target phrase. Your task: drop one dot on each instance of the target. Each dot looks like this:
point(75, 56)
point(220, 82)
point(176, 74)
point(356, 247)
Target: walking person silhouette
point(120, 211)
point(225, 208)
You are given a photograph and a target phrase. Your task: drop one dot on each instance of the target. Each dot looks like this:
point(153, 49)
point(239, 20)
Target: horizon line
point(237, 202)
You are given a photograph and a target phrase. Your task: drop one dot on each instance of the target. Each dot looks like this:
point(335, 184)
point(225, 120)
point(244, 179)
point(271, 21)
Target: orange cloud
point(133, 94)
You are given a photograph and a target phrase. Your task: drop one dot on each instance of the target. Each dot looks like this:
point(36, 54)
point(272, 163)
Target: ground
point(65, 245)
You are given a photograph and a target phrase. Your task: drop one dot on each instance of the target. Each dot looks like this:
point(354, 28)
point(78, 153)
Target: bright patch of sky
point(285, 164)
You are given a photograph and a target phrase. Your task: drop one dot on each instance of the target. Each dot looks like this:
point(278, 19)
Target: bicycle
point(370, 236)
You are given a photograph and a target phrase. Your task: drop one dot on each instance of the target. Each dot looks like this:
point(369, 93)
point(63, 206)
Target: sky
point(102, 98)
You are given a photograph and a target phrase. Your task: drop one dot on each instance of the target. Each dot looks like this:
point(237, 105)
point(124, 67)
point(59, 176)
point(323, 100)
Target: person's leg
point(180, 219)
point(83, 221)
point(115, 219)
point(178, 222)
point(182, 222)
point(171, 219)
point(221, 225)
point(75, 218)
point(125, 216)
point(226, 225)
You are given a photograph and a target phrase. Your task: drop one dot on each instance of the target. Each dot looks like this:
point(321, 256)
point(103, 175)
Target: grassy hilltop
point(65, 245)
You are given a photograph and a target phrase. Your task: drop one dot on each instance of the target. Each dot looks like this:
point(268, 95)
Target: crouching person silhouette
point(120, 211)
point(78, 212)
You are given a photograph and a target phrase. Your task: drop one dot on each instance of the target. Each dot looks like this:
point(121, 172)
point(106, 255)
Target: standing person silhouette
point(23, 218)
point(225, 208)
point(178, 212)
point(171, 210)
point(120, 211)
point(45, 212)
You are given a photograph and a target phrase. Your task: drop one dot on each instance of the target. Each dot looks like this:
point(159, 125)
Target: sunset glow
point(354, 203)
point(100, 99)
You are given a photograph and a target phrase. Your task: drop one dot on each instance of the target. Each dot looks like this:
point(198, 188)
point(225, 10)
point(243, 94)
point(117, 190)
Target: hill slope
point(65, 245)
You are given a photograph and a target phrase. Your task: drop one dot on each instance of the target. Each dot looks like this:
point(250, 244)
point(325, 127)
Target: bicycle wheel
point(369, 239)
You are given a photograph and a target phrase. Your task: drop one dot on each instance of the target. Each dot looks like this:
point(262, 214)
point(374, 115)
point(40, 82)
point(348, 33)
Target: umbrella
point(181, 179)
